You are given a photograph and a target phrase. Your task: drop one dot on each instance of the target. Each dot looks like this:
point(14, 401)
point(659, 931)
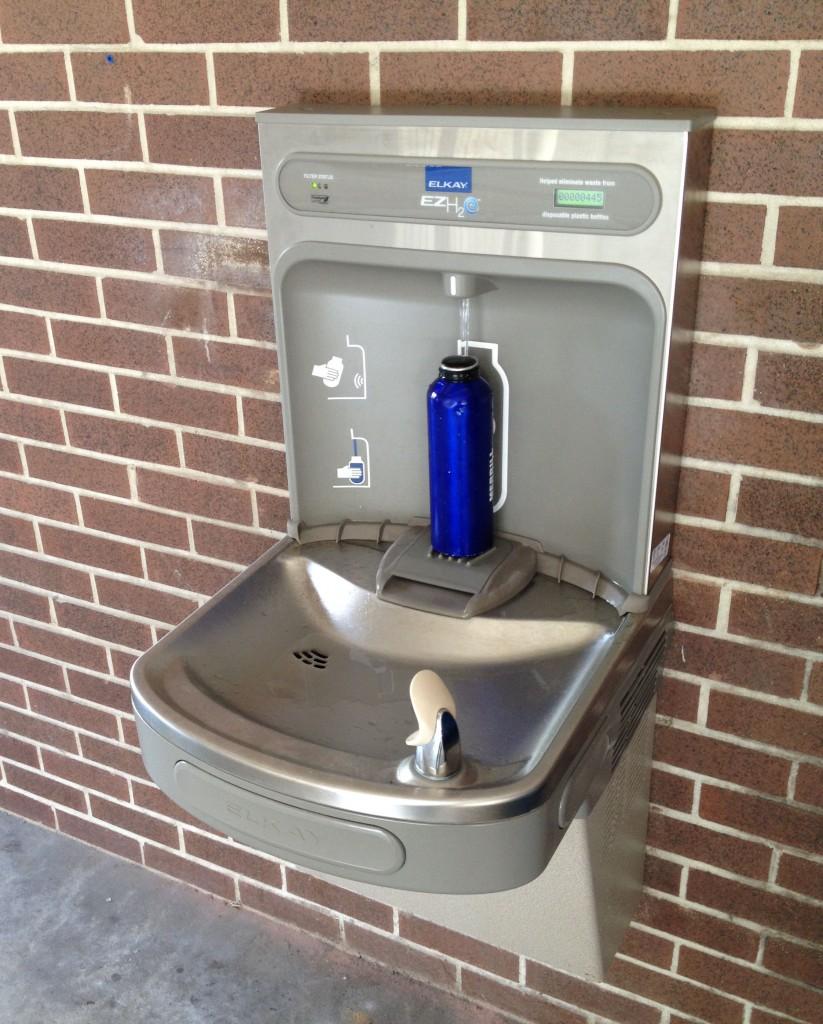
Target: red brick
point(36, 729)
point(289, 911)
point(771, 162)
point(151, 798)
point(344, 901)
point(752, 984)
point(398, 956)
point(733, 232)
point(143, 600)
point(139, 523)
point(18, 533)
point(35, 499)
point(85, 775)
point(273, 510)
point(702, 929)
point(768, 309)
point(479, 78)
point(33, 422)
point(652, 949)
point(532, 20)
point(70, 712)
point(93, 21)
point(234, 858)
point(115, 756)
point(19, 803)
point(281, 79)
point(12, 693)
point(696, 603)
point(321, 20)
point(789, 382)
point(800, 235)
point(14, 238)
point(98, 835)
point(124, 77)
point(110, 346)
point(107, 627)
point(720, 19)
point(771, 563)
point(670, 790)
point(67, 384)
point(10, 457)
point(238, 546)
point(588, 997)
point(16, 750)
point(717, 371)
point(748, 902)
point(171, 403)
point(245, 366)
point(255, 316)
point(46, 289)
point(95, 245)
point(243, 202)
point(737, 663)
point(163, 305)
point(228, 261)
point(779, 621)
point(24, 602)
point(122, 664)
point(134, 821)
point(127, 440)
point(86, 550)
point(775, 442)
point(202, 21)
point(63, 467)
point(188, 871)
point(512, 999)
point(674, 992)
point(662, 875)
point(214, 501)
point(78, 135)
point(808, 96)
point(256, 463)
point(6, 143)
point(187, 573)
point(185, 198)
point(809, 785)
point(816, 684)
point(40, 188)
point(263, 419)
point(774, 724)
point(794, 961)
point(801, 876)
point(204, 141)
point(732, 83)
point(57, 645)
point(678, 699)
point(49, 789)
point(105, 692)
point(744, 857)
point(758, 1016)
point(703, 493)
point(5, 632)
point(758, 816)
point(23, 332)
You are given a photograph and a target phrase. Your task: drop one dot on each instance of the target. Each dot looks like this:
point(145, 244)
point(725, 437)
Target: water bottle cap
point(457, 368)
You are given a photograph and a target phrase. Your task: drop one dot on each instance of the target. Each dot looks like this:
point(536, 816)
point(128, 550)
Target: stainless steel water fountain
point(560, 249)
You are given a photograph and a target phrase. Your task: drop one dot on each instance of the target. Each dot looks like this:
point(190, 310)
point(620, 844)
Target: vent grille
point(313, 658)
point(637, 697)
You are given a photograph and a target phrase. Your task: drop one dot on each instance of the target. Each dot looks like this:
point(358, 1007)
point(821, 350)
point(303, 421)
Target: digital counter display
point(579, 197)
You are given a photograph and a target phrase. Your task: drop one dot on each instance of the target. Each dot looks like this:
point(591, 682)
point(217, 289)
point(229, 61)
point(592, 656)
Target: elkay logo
point(448, 179)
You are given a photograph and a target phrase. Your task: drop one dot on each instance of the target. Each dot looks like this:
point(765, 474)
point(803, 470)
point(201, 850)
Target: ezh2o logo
point(449, 182)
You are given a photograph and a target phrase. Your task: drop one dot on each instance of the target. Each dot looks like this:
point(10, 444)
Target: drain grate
point(313, 658)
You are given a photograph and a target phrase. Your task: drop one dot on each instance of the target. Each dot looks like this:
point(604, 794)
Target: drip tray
point(292, 684)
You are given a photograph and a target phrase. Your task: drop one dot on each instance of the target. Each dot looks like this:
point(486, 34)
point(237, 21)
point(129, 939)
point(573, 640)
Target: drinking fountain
point(456, 736)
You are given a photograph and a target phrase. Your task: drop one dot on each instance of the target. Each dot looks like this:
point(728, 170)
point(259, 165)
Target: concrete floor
point(89, 939)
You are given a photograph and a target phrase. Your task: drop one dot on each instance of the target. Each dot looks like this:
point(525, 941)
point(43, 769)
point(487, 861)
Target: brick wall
point(141, 455)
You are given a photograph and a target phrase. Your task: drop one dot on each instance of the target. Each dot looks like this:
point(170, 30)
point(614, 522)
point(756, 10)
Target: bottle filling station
point(465, 738)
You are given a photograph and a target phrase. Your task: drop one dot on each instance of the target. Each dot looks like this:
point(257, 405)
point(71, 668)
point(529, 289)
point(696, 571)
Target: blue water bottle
point(461, 480)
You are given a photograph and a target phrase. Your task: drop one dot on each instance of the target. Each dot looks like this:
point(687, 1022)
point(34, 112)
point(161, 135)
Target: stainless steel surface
point(296, 677)
point(441, 757)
